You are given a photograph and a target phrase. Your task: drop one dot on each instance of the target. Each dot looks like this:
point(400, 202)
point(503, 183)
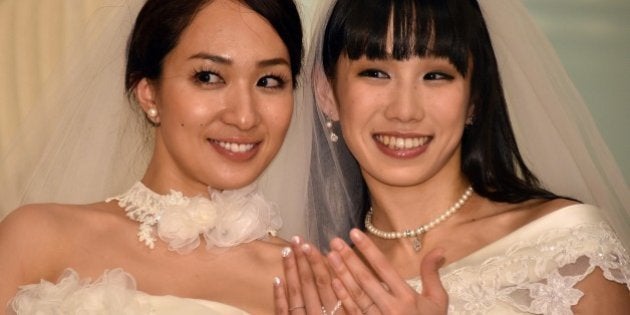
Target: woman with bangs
point(415, 155)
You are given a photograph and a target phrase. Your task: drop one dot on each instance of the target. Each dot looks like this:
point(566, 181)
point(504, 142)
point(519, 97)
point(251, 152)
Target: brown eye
point(431, 76)
point(374, 73)
point(271, 82)
point(207, 77)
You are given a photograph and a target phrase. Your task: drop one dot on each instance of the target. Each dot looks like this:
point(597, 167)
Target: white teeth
point(235, 147)
point(399, 143)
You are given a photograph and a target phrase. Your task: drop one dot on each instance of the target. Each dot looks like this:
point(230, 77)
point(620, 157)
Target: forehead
point(230, 29)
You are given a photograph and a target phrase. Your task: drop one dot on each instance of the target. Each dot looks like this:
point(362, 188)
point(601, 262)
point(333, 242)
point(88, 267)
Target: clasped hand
point(341, 283)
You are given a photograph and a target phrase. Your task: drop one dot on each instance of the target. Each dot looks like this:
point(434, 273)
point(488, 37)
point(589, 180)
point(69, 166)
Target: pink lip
point(402, 153)
point(235, 156)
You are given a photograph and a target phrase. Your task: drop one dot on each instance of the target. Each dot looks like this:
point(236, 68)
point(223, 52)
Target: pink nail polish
point(296, 240)
point(306, 248)
point(337, 244)
point(356, 235)
point(286, 252)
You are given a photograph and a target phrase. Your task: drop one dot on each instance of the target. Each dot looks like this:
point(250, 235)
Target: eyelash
point(431, 76)
point(280, 78)
point(197, 77)
point(373, 73)
point(202, 73)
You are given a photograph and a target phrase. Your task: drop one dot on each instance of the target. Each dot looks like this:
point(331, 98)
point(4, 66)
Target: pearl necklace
point(419, 231)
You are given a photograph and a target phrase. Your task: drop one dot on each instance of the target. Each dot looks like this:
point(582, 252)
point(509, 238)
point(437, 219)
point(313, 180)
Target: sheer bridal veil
point(82, 141)
point(554, 129)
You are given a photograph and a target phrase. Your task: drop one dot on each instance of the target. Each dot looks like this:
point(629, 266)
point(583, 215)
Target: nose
point(241, 110)
point(404, 102)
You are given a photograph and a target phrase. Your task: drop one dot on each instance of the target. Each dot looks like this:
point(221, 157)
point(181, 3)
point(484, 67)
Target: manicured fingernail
point(336, 244)
point(296, 240)
point(356, 235)
point(306, 248)
point(286, 252)
point(276, 281)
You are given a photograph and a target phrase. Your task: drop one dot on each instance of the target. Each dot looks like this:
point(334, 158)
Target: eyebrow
point(228, 61)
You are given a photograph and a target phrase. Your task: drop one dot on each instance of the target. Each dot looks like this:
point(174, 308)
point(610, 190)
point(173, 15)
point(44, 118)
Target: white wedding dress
point(232, 217)
point(534, 269)
point(114, 293)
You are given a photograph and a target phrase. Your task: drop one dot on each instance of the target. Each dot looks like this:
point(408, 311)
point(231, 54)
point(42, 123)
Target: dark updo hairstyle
point(452, 29)
point(160, 23)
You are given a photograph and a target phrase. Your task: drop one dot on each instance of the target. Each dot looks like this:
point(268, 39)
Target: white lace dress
point(534, 269)
point(113, 293)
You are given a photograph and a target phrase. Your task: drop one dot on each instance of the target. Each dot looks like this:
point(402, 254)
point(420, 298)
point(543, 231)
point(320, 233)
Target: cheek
point(277, 114)
point(189, 109)
point(454, 114)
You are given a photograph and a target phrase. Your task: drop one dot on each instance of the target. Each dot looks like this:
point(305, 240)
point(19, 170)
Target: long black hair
point(456, 30)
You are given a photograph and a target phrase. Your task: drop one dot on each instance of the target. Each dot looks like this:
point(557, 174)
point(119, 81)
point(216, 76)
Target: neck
point(401, 208)
point(162, 180)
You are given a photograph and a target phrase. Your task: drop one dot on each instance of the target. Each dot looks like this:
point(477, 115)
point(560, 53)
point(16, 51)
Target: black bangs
point(362, 28)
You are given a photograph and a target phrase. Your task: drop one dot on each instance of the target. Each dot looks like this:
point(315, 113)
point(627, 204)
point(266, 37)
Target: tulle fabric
point(227, 219)
point(81, 140)
point(554, 129)
point(113, 293)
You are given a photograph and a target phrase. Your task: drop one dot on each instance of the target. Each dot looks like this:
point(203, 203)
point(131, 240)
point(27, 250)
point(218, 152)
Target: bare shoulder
point(39, 238)
point(33, 242)
point(513, 216)
point(48, 222)
point(538, 208)
point(35, 224)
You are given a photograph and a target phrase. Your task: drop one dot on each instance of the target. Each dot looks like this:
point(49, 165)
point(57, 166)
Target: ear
point(324, 94)
point(146, 96)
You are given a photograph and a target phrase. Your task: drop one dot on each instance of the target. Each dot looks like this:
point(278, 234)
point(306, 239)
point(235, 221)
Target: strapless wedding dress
point(113, 293)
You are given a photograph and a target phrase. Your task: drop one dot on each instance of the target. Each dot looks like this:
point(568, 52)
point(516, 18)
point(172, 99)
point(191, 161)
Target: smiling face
point(402, 120)
point(224, 101)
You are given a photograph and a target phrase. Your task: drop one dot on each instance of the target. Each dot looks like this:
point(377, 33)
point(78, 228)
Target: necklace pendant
point(417, 244)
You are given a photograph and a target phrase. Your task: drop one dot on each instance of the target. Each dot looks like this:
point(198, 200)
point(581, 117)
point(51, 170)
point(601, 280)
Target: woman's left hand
point(308, 283)
point(362, 293)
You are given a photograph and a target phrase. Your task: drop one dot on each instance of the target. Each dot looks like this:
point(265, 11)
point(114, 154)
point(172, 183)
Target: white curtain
point(35, 37)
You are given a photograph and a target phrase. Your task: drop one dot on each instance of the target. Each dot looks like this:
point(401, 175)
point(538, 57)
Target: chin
point(233, 180)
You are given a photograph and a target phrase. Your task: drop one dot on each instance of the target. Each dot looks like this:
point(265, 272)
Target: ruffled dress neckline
point(228, 218)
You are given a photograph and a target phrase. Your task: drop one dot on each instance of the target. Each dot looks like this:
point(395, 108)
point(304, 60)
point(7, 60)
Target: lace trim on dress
point(538, 276)
point(113, 293)
point(228, 218)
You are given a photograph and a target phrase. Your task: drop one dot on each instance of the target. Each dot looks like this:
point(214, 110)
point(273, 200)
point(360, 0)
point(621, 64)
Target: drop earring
point(470, 121)
point(329, 125)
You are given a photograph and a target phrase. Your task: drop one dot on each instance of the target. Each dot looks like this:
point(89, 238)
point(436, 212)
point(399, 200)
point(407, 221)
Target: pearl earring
point(333, 135)
point(152, 114)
